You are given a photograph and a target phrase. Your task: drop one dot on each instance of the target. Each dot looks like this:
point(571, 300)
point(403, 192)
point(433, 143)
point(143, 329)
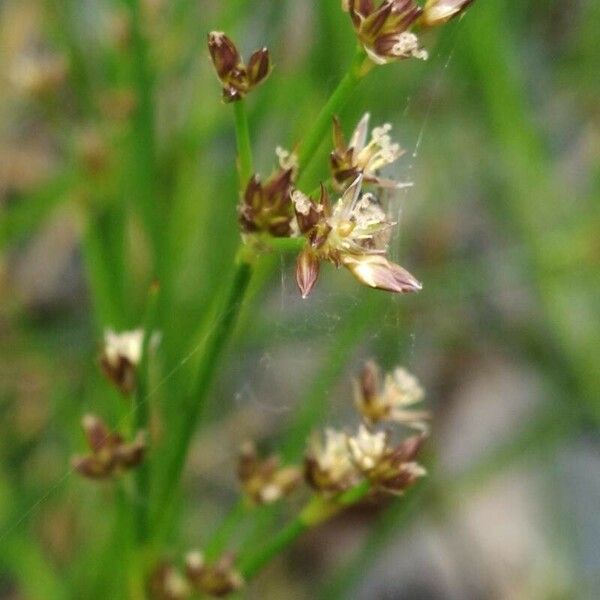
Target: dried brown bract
point(383, 28)
point(265, 481)
point(237, 77)
point(110, 455)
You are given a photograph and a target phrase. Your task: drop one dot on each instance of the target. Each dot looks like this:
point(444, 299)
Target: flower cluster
point(110, 455)
point(342, 461)
point(237, 77)
point(385, 28)
point(353, 233)
point(217, 580)
point(265, 481)
point(265, 207)
point(390, 399)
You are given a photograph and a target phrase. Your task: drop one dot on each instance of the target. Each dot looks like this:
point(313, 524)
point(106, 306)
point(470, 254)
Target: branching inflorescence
point(345, 223)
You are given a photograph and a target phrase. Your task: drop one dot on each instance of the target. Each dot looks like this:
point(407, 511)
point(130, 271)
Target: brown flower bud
point(237, 78)
point(110, 454)
point(218, 579)
point(263, 480)
point(378, 272)
point(383, 29)
point(266, 208)
point(307, 271)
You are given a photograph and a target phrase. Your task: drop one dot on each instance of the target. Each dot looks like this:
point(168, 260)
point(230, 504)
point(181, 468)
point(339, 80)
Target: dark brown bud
point(259, 66)
point(307, 271)
point(237, 77)
point(224, 54)
point(110, 454)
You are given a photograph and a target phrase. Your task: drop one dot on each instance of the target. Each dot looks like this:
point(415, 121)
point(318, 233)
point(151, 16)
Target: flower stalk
point(359, 67)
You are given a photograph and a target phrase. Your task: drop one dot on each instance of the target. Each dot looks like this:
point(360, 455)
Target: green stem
point(317, 511)
point(318, 132)
point(142, 420)
point(227, 526)
point(244, 148)
point(144, 161)
point(192, 409)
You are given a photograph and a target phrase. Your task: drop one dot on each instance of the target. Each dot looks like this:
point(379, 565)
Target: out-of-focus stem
point(216, 340)
point(319, 131)
point(317, 511)
point(142, 420)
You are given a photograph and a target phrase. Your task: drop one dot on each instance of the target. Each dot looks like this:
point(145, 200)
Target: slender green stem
point(144, 160)
point(317, 511)
point(218, 541)
point(192, 408)
point(289, 534)
point(142, 419)
point(244, 148)
point(318, 133)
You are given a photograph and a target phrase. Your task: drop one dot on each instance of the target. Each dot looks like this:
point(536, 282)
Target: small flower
point(391, 400)
point(328, 466)
point(354, 233)
point(391, 469)
point(121, 355)
point(367, 448)
point(237, 77)
point(438, 12)
point(265, 481)
point(350, 160)
point(266, 208)
point(218, 579)
point(382, 29)
point(110, 454)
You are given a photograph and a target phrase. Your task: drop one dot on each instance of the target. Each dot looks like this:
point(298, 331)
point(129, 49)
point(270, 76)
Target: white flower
point(366, 448)
point(125, 345)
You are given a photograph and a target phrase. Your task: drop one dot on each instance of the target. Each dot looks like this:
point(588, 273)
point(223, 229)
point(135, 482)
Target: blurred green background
point(117, 165)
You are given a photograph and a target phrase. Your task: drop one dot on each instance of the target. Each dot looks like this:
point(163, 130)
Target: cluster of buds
point(237, 77)
point(110, 454)
point(353, 233)
point(265, 481)
point(390, 399)
point(215, 580)
point(266, 207)
point(384, 28)
point(342, 461)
